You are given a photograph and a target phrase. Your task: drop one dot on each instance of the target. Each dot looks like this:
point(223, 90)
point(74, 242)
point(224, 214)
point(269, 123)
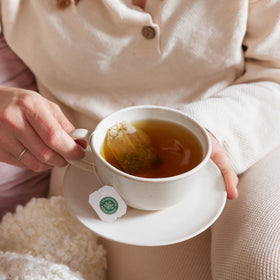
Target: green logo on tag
point(108, 205)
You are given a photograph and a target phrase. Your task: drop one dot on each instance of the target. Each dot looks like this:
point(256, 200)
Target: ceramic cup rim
point(152, 180)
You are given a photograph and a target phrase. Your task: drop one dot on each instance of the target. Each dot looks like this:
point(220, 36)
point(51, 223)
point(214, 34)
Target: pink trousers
point(17, 185)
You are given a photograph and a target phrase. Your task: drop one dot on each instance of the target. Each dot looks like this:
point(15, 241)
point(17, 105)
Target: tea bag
point(131, 147)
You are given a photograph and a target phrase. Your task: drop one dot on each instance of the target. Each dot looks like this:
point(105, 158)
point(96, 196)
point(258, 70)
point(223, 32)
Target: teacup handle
point(83, 134)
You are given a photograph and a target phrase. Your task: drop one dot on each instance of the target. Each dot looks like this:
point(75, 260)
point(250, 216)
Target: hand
point(221, 159)
point(27, 120)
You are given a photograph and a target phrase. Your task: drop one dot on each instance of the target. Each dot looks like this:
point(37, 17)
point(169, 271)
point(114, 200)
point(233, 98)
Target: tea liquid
point(177, 148)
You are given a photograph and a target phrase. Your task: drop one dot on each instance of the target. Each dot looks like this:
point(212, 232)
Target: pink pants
point(17, 185)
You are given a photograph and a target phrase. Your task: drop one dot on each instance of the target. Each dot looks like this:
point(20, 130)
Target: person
point(216, 62)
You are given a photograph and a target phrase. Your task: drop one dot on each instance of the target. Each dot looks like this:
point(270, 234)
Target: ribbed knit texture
point(243, 244)
point(188, 260)
point(246, 238)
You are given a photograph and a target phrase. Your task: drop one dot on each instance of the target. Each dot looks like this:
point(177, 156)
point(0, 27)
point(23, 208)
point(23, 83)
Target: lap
point(246, 238)
point(242, 244)
point(188, 260)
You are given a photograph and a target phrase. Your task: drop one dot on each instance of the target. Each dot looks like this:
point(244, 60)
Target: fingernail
point(81, 143)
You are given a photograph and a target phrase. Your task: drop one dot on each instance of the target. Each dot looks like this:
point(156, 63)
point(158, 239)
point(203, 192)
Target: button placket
point(151, 30)
point(147, 40)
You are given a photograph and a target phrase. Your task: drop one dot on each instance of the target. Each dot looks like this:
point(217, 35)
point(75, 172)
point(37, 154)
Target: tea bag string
point(94, 171)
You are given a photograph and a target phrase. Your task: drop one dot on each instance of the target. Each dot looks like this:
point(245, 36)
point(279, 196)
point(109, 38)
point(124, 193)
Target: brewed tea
point(177, 148)
point(131, 147)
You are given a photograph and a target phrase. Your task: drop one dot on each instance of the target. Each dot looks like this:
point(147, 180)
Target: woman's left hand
point(221, 159)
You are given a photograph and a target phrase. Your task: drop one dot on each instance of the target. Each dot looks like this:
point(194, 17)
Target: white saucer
point(150, 228)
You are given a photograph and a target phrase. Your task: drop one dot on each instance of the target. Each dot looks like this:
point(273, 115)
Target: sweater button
point(148, 32)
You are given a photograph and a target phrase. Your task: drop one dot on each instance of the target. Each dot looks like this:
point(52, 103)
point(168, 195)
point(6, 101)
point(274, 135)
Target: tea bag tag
point(107, 204)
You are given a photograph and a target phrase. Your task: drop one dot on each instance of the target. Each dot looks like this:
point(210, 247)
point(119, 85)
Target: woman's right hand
point(28, 120)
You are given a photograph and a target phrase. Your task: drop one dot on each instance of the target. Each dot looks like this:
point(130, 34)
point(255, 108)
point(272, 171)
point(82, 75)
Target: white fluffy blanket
point(16, 267)
point(44, 241)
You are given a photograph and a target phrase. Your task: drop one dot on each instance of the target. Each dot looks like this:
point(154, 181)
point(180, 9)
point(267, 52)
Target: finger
point(30, 139)
point(27, 160)
point(53, 135)
point(220, 158)
point(231, 181)
point(230, 177)
point(11, 148)
point(18, 128)
point(10, 159)
point(31, 162)
point(66, 124)
point(61, 118)
point(15, 126)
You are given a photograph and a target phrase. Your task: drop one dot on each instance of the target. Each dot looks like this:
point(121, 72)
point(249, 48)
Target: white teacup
point(138, 192)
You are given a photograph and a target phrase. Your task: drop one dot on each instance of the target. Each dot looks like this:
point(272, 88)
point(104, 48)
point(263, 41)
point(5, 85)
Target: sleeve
point(245, 117)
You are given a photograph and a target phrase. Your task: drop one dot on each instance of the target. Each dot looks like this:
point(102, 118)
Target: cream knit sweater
point(95, 60)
